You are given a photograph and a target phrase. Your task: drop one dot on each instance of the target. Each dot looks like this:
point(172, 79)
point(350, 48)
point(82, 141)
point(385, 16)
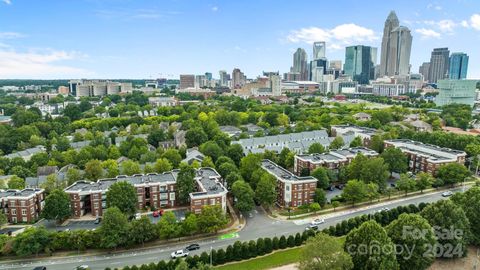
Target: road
point(258, 225)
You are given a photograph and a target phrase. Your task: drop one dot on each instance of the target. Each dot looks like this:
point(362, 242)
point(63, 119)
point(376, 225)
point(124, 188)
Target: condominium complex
point(426, 157)
point(153, 190)
point(91, 88)
point(292, 190)
point(297, 142)
point(332, 160)
point(349, 132)
point(22, 205)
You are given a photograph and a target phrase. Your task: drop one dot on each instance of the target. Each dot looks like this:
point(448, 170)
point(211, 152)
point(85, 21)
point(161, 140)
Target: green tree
point(155, 136)
point(470, 203)
point(321, 175)
point(314, 207)
point(356, 142)
point(195, 137)
point(395, 159)
point(266, 193)
point(52, 183)
point(185, 183)
point(376, 171)
point(93, 169)
point(111, 166)
point(190, 225)
point(173, 156)
point(226, 169)
point(406, 183)
point(316, 148)
point(402, 231)
point(212, 219)
point(31, 242)
point(142, 230)
point(370, 236)
point(235, 152)
point(372, 191)
point(354, 191)
point(123, 196)
point(320, 197)
point(114, 228)
point(424, 180)
point(57, 206)
point(244, 196)
point(354, 169)
point(377, 143)
point(335, 204)
point(207, 162)
point(337, 143)
point(249, 164)
point(163, 165)
point(444, 216)
point(211, 149)
point(232, 178)
point(16, 182)
point(168, 226)
point(453, 173)
point(324, 252)
point(130, 167)
point(73, 175)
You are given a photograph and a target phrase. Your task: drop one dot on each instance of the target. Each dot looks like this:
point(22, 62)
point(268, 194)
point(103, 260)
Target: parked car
point(156, 213)
point(447, 194)
point(138, 216)
point(178, 254)
point(331, 188)
point(311, 227)
point(317, 221)
point(82, 267)
point(393, 185)
point(98, 220)
point(40, 268)
point(192, 247)
point(341, 186)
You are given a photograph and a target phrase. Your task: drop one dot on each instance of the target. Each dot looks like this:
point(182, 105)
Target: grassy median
point(275, 259)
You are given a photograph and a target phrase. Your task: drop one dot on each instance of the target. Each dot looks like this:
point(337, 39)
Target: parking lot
point(179, 214)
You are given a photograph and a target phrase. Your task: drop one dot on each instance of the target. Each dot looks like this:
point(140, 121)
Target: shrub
point(275, 243)
point(260, 246)
point(220, 257)
point(268, 245)
point(252, 249)
point(298, 239)
point(282, 243)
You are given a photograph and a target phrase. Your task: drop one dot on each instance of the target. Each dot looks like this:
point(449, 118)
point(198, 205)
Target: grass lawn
point(276, 259)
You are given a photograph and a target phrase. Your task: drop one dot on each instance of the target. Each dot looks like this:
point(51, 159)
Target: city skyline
point(141, 39)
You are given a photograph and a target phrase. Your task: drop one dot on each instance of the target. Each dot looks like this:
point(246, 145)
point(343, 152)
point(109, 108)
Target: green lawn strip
point(275, 259)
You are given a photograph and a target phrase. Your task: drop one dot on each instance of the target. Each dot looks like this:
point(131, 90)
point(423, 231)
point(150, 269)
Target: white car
point(317, 221)
point(447, 194)
point(178, 254)
point(138, 216)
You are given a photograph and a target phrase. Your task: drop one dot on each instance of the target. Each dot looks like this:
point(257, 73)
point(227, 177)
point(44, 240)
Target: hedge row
point(250, 249)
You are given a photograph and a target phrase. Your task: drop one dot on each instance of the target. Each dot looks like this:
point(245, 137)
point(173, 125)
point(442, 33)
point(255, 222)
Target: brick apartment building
point(426, 157)
point(153, 190)
point(332, 160)
point(349, 132)
point(292, 190)
point(22, 205)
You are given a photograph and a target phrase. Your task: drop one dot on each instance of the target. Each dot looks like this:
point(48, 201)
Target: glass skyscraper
point(458, 66)
point(359, 63)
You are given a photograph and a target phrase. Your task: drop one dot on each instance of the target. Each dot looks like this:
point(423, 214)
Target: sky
point(146, 39)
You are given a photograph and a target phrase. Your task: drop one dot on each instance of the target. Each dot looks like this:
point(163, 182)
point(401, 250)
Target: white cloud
point(446, 25)
point(475, 21)
point(215, 9)
point(427, 33)
point(39, 64)
point(336, 37)
point(434, 6)
point(464, 23)
point(8, 2)
point(10, 35)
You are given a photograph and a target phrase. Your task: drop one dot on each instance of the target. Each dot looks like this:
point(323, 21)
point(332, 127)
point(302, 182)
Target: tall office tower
point(423, 69)
point(438, 65)
point(187, 81)
point(336, 64)
point(238, 78)
point(396, 47)
point(300, 64)
point(208, 76)
point(458, 66)
point(359, 63)
point(223, 78)
point(318, 50)
point(200, 81)
point(318, 68)
point(276, 84)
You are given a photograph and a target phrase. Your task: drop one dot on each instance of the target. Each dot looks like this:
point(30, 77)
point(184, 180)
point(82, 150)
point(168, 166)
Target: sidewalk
point(367, 205)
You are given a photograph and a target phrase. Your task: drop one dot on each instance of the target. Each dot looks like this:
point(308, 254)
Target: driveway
point(179, 214)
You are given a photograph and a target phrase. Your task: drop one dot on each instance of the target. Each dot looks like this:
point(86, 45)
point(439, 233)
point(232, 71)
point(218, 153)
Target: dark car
point(341, 186)
point(192, 247)
point(98, 220)
point(331, 188)
point(40, 268)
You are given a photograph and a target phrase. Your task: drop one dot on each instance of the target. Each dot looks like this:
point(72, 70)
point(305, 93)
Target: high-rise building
point(438, 65)
point(396, 48)
point(300, 64)
point(458, 66)
point(187, 81)
point(456, 91)
point(359, 63)
point(224, 77)
point(238, 78)
point(208, 76)
point(200, 81)
point(336, 64)
point(423, 69)
point(318, 50)
point(276, 85)
point(318, 68)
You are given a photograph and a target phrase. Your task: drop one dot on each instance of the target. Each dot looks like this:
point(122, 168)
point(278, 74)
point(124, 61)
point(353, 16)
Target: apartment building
point(426, 157)
point(292, 190)
point(349, 132)
point(153, 190)
point(22, 205)
point(332, 160)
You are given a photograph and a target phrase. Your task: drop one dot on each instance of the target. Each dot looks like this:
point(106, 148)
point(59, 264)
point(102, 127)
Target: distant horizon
point(144, 40)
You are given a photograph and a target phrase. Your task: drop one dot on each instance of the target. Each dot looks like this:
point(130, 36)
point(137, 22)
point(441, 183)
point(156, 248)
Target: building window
point(155, 197)
point(212, 201)
point(14, 211)
point(12, 203)
point(24, 212)
point(22, 203)
point(163, 196)
point(95, 205)
point(140, 198)
point(172, 196)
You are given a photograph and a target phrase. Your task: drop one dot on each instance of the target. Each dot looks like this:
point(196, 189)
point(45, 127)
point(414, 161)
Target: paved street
point(258, 225)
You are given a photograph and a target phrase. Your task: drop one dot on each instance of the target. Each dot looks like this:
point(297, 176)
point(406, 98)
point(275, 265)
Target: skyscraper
point(238, 78)
point(359, 63)
point(318, 50)
point(300, 64)
point(458, 66)
point(438, 65)
point(187, 81)
point(224, 78)
point(423, 69)
point(396, 47)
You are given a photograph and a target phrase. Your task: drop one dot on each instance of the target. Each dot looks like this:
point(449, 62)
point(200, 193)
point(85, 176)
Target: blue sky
point(164, 38)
